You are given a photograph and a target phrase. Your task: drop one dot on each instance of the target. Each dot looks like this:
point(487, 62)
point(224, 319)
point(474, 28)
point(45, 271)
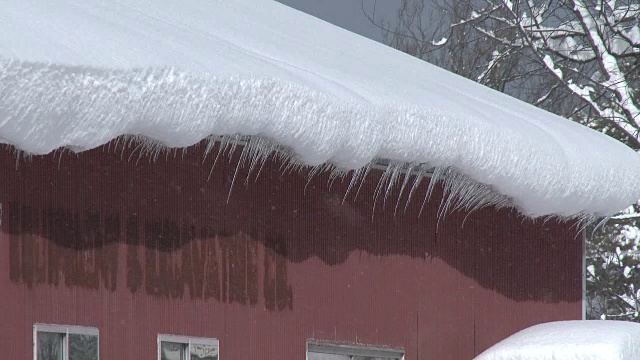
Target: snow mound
point(570, 340)
point(79, 74)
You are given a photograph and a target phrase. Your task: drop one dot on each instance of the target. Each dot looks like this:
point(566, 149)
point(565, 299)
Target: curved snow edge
point(45, 107)
point(573, 339)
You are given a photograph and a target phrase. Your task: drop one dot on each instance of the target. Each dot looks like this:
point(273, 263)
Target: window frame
point(323, 347)
point(187, 340)
point(65, 330)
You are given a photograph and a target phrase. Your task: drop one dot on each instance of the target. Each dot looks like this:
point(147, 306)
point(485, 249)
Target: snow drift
point(78, 75)
point(570, 340)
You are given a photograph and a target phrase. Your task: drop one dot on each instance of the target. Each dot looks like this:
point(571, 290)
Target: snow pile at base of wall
point(570, 340)
point(79, 74)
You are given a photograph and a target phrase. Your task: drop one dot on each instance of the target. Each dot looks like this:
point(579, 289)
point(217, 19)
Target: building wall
point(135, 247)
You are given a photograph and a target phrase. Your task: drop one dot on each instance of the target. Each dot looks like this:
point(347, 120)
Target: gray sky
point(348, 13)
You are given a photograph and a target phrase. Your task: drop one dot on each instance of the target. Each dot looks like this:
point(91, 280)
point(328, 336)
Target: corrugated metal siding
point(138, 248)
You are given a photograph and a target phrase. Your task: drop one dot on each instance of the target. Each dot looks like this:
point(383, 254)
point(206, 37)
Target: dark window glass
point(50, 346)
point(173, 351)
point(83, 347)
point(203, 352)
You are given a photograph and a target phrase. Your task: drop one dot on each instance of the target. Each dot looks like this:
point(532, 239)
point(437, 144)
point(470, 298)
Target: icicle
point(259, 151)
point(385, 183)
point(243, 156)
point(395, 169)
point(459, 192)
point(364, 176)
point(407, 174)
point(356, 175)
point(435, 177)
point(223, 143)
point(334, 174)
point(422, 171)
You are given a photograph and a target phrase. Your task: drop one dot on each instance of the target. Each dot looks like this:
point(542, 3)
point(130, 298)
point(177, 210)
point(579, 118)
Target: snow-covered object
point(77, 74)
point(570, 340)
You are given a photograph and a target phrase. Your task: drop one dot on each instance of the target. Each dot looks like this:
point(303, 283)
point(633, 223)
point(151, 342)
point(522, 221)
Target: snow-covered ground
point(78, 74)
point(570, 340)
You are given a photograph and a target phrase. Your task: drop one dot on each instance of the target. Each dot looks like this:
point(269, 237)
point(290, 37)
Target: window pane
point(50, 346)
point(321, 356)
point(83, 347)
point(173, 351)
point(204, 352)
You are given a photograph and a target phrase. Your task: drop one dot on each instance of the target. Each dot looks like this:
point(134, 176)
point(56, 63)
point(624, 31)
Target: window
point(325, 351)
point(63, 342)
point(171, 347)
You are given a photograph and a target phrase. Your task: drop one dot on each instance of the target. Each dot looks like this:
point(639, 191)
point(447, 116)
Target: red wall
point(138, 248)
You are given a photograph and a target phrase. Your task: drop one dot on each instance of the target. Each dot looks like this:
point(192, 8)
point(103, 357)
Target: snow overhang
point(77, 75)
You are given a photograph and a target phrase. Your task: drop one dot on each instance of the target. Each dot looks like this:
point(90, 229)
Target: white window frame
point(187, 340)
point(353, 350)
point(65, 330)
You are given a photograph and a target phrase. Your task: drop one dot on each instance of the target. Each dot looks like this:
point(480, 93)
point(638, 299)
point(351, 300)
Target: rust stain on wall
point(163, 257)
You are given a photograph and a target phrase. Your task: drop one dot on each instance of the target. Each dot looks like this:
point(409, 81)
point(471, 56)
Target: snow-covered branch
point(615, 77)
point(626, 217)
point(587, 51)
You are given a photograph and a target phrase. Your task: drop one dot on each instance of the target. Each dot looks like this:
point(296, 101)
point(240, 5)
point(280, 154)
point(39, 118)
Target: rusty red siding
point(138, 247)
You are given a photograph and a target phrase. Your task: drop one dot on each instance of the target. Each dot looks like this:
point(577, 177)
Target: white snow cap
point(570, 340)
point(77, 74)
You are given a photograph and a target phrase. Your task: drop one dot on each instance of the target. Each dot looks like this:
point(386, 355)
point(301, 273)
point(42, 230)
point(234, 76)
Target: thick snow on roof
point(570, 340)
point(77, 74)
